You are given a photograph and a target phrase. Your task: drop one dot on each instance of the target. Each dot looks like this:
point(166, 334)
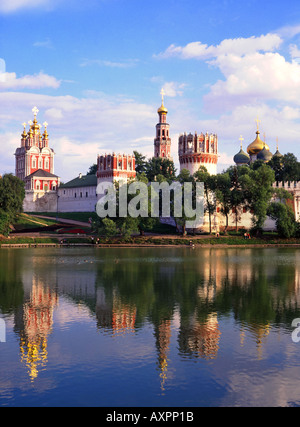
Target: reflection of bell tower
point(37, 325)
point(163, 337)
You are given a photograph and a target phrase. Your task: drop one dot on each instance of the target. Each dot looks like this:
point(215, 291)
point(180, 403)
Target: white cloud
point(173, 89)
point(253, 70)
point(238, 46)
point(36, 81)
point(46, 44)
point(112, 64)
point(9, 6)
point(254, 77)
point(79, 129)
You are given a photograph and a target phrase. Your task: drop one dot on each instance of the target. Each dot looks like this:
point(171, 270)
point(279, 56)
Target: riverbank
point(146, 241)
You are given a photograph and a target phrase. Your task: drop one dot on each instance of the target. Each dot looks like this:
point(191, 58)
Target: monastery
point(44, 193)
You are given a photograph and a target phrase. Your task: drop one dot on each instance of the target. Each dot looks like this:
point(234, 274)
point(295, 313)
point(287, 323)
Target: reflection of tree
point(202, 285)
point(11, 287)
point(127, 288)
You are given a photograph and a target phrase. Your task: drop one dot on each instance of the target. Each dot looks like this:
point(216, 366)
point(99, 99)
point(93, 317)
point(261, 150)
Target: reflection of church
point(221, 275)
point(36, 326)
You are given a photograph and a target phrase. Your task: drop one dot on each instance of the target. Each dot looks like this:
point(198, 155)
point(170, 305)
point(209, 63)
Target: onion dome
point(162, 109)
point(24, 134)
point(257, 145)
point(265, 155)
point(45, 134)
point(241, 158)
point(277, 154)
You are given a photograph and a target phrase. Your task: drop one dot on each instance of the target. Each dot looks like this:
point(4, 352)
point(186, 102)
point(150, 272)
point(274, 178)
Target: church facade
point(34, 164)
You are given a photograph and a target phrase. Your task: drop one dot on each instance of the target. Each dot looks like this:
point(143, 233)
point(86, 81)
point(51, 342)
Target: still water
point(149, 327)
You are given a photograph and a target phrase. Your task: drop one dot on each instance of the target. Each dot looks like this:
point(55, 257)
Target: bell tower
point(162, 141)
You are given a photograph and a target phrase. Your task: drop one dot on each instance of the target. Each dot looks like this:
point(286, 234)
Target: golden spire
point(24, 134)
point(45, 134)
point(162, 109)
point(257, 123)
point(257, 145)
point(241, 139)
point(30, 132)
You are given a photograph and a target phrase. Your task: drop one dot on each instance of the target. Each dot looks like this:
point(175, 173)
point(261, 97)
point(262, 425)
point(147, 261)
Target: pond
point(149, 327)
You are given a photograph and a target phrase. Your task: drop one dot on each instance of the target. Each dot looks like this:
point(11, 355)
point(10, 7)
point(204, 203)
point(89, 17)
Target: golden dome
point(257, 145)
point(162, 109)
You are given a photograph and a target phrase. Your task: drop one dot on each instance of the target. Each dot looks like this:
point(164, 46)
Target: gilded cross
point(35, 111)
point(162, 92)
point(30, 123)
point(24, 124)
point(257, 123)
point(45, 124)
point(241, 139)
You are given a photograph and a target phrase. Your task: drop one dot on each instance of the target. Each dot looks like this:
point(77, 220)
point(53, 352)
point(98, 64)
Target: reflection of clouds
point(277, 387)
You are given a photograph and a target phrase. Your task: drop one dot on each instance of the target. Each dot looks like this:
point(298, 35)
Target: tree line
point(234, 191)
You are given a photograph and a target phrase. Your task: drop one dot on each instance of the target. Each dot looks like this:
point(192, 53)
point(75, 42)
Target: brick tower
point(162, 141)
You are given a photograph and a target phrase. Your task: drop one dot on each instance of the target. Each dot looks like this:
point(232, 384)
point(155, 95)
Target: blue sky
point(95, 70)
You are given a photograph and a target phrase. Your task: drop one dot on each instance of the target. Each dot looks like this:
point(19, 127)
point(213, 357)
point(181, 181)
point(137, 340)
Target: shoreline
point(146, 245)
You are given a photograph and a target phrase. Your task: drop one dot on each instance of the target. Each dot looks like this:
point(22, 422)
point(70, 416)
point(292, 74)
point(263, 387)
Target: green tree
point(237, 197)
point(284, 217)
point(126, 225)
point(258, 191)
point(12, 195)
point(140, 163)
point(209, 182)
point(291, 168)
point(224, 194)
point(286, 168)
point(159, 166)
point(92, 169)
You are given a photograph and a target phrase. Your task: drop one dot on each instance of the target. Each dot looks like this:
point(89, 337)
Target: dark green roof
point(40, 173)
point(84, 181)
point(241, 157)
point(264, 155)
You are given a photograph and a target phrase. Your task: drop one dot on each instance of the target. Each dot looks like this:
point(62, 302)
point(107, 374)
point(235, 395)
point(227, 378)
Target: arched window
point(33, 162)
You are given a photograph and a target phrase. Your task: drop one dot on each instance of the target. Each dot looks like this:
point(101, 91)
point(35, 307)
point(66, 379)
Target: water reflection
point(35, 325)
point(185, 295)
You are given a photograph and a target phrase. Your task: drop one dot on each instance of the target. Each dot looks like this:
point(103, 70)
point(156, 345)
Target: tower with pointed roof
point(162, 141)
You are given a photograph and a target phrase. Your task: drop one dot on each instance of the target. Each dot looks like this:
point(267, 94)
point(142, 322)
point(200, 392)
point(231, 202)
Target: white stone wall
point(40, 201)
point(79, 199)
point(194, 167)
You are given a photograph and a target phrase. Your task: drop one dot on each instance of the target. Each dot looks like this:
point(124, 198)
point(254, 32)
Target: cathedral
point(257, 150)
